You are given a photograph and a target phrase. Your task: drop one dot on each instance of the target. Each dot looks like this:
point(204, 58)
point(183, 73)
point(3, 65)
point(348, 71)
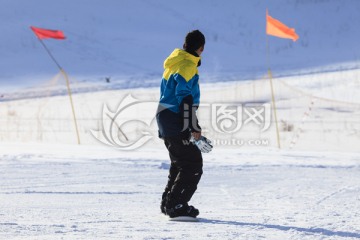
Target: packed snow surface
point(70, 192)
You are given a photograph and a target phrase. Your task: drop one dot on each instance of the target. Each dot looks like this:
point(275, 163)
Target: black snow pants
point(185, 170)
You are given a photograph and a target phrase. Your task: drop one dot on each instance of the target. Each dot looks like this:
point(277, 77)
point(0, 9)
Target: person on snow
point(179, 128)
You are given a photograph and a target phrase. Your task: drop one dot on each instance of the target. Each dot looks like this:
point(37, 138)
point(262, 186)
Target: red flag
point(276, 28)
point(47, 33)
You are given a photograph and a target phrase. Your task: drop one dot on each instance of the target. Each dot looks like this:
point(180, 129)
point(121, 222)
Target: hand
point(196, 135)
point(203, 144)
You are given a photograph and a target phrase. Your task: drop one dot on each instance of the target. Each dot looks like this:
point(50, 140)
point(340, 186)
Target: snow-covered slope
point(121, 38)
point(72, 192)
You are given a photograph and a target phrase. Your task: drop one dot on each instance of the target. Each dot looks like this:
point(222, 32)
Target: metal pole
point(48, 51)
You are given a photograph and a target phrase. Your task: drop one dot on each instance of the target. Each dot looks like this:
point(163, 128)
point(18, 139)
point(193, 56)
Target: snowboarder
point(179, 128)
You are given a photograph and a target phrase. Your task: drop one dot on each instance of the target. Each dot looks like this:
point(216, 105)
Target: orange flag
point(276, 28)
point(47, 33)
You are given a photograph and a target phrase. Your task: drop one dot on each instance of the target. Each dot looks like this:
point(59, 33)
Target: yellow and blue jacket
point(180, 82)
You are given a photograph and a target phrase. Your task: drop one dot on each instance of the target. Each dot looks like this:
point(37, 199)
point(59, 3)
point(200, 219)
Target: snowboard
point(184, 219)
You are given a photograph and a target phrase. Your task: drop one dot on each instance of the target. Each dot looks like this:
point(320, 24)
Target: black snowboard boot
point(182, 210)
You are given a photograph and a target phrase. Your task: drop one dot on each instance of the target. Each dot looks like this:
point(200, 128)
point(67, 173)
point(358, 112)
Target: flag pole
point(272, 88)
point(276, 28)
point(68, 88)
point(51, 56)
point(72, 104)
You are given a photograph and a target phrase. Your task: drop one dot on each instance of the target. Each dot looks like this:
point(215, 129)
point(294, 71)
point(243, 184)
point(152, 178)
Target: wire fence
point(307, 121)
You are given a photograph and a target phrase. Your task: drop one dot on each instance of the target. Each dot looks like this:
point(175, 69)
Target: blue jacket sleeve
point(183, 93)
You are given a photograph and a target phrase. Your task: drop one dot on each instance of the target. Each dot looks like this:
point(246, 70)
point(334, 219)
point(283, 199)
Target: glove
point(203, 144)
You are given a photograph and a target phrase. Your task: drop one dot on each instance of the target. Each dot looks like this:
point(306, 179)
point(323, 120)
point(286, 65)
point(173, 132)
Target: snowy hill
point(127, 41)
point(132, 38)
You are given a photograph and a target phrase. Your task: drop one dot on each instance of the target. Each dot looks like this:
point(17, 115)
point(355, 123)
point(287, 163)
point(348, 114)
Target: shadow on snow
point(285, 228)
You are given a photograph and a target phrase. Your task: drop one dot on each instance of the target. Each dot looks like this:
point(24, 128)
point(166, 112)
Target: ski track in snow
point(109, 195)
